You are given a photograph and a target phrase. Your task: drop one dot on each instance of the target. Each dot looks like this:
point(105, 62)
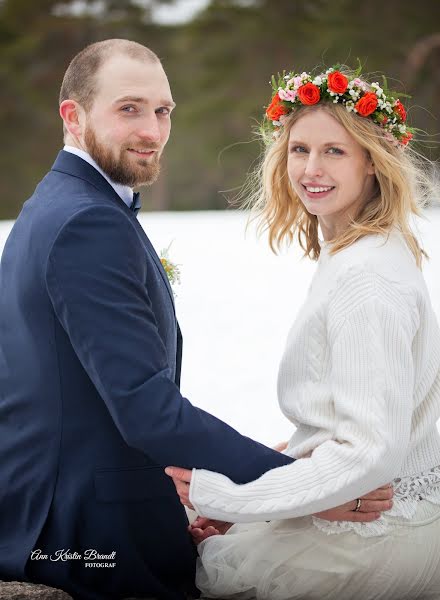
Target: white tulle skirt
point(292, 559)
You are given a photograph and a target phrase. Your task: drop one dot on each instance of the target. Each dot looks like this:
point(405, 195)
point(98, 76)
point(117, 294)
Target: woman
point(360, 375)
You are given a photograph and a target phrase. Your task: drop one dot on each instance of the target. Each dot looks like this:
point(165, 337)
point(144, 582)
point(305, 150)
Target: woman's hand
point(370, 509)
point(203, 528)
point(280, 447)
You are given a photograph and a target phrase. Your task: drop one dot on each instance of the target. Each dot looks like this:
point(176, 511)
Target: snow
point(235, 304)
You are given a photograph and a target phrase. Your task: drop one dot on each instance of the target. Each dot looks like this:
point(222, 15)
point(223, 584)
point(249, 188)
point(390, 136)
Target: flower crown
point(358, 96)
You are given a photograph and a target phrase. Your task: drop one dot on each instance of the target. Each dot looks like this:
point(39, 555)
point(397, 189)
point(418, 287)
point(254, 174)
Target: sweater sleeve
point(370, 332)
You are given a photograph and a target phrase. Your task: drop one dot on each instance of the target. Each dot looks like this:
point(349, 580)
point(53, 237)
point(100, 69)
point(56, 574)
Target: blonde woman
point(360, 375)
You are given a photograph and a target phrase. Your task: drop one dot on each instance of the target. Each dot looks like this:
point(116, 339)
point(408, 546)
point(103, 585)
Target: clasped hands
point(371, 506)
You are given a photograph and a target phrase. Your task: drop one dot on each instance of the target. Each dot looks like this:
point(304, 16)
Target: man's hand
point(371, 507)
point(181, 479)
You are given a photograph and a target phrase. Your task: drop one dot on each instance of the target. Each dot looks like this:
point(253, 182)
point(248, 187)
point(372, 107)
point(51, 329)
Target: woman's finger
point(380, 494)
point(374, 506)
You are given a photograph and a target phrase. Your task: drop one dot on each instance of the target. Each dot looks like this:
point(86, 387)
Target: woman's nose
point(313, 167)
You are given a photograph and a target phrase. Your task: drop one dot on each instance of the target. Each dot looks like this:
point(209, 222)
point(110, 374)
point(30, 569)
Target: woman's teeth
point(318, 189)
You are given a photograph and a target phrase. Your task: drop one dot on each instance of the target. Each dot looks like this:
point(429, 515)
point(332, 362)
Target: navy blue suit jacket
point(90, 407)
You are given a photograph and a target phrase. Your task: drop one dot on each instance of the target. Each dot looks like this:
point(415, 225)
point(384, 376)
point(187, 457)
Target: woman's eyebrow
point(299, 142)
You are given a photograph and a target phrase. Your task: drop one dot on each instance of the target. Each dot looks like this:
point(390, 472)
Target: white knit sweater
point(360, 378)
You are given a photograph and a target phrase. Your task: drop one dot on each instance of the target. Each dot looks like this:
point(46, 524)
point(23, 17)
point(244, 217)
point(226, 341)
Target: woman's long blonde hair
point(402, 189)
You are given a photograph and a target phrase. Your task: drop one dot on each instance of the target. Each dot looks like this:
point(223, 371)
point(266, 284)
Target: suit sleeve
point(95, 276)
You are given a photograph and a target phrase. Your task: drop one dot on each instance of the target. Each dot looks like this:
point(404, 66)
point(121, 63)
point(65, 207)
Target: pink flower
point(288, 95)
point(359, 83)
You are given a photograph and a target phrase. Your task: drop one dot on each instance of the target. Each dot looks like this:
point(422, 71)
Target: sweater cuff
point(200, 496)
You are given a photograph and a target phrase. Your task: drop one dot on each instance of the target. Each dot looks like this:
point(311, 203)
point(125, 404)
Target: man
point(90, 351)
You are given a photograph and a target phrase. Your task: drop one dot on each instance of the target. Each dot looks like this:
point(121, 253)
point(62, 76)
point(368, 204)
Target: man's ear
point(73, 117)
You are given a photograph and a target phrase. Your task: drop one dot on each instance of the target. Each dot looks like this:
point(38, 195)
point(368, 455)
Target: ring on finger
point(358, 505)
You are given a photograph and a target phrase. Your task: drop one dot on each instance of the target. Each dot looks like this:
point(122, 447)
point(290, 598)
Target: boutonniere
point(171, 269)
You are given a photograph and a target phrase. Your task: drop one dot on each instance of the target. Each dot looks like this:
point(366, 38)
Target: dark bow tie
point(136, 203)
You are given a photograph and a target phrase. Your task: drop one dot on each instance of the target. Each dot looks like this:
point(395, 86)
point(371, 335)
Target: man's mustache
point(151, 148)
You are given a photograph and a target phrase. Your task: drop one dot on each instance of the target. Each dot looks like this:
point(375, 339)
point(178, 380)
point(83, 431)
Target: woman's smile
point(316, 192)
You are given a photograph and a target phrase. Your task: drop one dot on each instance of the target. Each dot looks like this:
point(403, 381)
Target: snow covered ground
point(235, 304)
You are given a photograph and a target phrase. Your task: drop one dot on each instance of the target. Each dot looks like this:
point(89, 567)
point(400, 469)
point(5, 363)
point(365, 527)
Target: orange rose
point(337, 82)
point(407, 138)
point(367, 104)
point(309, 94)
point(275, 109)
point(400, 110)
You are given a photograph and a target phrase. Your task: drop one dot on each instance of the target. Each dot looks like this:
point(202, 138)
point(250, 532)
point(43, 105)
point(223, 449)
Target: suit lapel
point(71, 164)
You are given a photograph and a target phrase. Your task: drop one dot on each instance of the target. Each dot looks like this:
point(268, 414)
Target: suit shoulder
point(97, 223)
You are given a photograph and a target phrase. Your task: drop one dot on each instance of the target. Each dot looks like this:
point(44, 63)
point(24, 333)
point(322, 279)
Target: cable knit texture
point(360, 379)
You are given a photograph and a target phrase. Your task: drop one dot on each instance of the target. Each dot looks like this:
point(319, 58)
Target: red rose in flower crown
point(339, 86)
point(400, 110)
point(309, 94)
point(367, 104)
point(275, 109)
point(337, 82)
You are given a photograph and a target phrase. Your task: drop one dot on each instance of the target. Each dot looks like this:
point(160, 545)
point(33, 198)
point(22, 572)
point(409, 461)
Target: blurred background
point(219, 56)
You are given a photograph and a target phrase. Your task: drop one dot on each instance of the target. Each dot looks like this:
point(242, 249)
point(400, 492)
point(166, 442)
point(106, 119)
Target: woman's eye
point(335, 151)
point(128, 108)
point(297, 149)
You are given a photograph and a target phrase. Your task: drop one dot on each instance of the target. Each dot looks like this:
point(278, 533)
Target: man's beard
point(122, 170)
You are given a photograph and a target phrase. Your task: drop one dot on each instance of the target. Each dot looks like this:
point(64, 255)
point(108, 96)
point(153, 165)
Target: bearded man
point(90, 354)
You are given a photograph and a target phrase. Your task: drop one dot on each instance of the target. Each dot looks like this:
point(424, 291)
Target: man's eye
point(163, 110)
point(129, 108)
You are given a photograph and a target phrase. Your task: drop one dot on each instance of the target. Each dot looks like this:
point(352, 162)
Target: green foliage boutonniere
point(171, 269)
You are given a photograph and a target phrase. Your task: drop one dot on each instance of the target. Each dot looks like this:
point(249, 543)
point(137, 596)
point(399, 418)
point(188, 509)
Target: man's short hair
point(80, 78)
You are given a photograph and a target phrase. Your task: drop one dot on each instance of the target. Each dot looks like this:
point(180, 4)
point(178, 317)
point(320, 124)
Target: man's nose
point(149, 129)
